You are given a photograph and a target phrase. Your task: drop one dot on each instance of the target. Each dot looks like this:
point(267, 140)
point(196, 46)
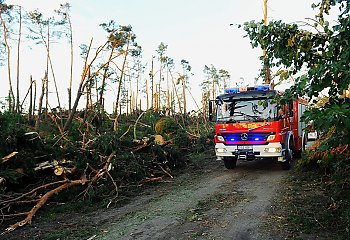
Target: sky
point(203, 32)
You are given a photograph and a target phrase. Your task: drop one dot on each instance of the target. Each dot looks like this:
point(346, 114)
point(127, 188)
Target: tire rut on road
point(215, 204)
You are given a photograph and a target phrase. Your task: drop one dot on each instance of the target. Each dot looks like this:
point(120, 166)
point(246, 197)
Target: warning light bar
point(247, 89)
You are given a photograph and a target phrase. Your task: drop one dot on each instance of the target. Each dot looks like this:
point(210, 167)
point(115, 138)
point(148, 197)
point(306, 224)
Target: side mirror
point(211, 116)
point(291, 113)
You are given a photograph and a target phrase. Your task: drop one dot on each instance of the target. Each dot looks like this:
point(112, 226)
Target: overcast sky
point(198, 31)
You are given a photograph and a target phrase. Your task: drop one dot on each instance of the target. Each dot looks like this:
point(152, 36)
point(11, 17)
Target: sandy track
point(213, 203)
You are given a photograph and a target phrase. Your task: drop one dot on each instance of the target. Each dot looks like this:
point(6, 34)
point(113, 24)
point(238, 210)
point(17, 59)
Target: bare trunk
point(47, 44)
point(54, 79)
point(131, 95)
point(38, 119)
point(104, 80)
point(168, 94)
point(11, 94)
point(18, 54)
point(268, 79)
point(115, 124)
point(137, 85)
point(177, 95)
point(71, 66)
point(30, 110)
point(184, 93)
point(213, 88)
point(85, 76)
point(159, 87)
point(34, 99)
point(131, 103)
point(147, 103)
point(152, 85)
point(68, 124)
point(28, 92)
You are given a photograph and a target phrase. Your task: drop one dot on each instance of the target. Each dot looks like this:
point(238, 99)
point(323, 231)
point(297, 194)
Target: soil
point(206, 202)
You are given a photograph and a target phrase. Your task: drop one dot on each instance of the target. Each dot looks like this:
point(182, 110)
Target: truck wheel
point(230, 163)
point(287, 164)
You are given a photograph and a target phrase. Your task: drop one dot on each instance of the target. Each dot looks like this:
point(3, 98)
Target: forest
point(55, 146)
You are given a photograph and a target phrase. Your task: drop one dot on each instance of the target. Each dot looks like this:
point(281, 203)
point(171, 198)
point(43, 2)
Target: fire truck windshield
point(247, 110)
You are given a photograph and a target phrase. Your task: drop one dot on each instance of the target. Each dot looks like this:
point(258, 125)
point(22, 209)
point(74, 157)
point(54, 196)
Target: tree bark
point(30, 110)
point(41, 98)
point(115, 124)
point(152, 85)
point(42, 201)
point(11, 94)
point(104, 80)
point(71, 65)
point(82, 83)
point(184, 93)
point(18, 107)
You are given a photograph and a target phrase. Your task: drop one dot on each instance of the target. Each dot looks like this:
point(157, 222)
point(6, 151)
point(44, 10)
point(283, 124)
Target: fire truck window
point(232, 109)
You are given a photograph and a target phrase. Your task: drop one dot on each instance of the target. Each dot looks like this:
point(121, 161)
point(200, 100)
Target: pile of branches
point(44, 165)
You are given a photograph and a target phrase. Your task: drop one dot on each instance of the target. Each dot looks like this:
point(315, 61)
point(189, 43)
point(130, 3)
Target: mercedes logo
point(244, 136)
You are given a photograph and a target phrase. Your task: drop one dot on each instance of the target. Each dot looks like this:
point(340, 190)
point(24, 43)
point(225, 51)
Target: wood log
point(2, 180)
point(52, 164)
point(151, 179)
point(8, 157)
point(42, 201)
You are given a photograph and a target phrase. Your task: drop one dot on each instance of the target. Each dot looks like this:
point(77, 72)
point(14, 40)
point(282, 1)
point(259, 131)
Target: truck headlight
point(271, 137)
point(221, 150)
point(272, 150)
point(220, 138)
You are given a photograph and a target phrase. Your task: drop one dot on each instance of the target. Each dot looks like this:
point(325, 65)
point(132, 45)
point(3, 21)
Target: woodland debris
point(2, 180)
point(52, 164)
point(34, 135)
point(32, 192)
point(42, 201)
point(102, 172)
point(136, 124)
point(6, 158)
point(60, 170)
point(152, 179)
point(166, 172)
point(158, 139)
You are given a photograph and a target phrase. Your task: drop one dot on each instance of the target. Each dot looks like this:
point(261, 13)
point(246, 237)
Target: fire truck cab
point(250, 125)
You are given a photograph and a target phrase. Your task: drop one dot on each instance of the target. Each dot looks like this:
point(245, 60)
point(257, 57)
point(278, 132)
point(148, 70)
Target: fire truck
point(250, 124)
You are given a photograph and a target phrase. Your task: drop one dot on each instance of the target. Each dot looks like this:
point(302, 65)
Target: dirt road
point(211, 203)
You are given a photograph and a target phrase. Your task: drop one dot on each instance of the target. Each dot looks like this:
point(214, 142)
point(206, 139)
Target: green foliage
point(325, 55)
point(204, 142)
point(182, 139)
point(167, 126)
point(86, 147)
point(16, 136)
point(12, 132)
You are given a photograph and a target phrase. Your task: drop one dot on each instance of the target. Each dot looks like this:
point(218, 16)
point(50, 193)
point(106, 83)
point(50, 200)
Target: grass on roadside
point(305, 209)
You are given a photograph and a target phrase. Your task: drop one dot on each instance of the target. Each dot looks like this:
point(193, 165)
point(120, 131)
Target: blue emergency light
point(257, 88)
point(232, 90)
point(262, 88)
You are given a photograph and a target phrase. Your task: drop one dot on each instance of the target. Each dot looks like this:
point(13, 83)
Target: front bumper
point(250, 152)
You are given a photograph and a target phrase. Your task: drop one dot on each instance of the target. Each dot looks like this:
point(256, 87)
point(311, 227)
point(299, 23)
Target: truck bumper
point(250, 152)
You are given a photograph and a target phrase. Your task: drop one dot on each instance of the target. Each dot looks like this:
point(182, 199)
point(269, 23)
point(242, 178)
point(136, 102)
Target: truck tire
point(287, 164)
point(230, 163)
point(289, 156)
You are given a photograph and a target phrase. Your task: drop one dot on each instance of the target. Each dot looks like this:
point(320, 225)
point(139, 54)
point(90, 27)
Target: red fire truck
point(251, 125)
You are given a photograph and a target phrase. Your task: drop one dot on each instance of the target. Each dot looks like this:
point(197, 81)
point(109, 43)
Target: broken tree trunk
point(42, 201)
